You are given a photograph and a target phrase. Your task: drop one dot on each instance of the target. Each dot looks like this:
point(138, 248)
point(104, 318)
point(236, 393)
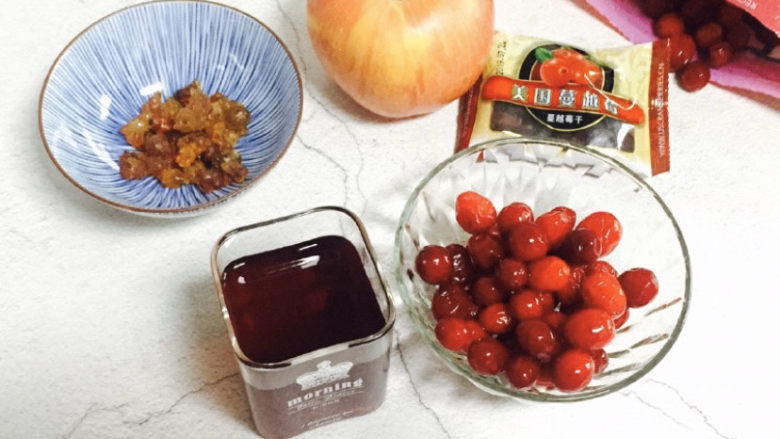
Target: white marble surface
point(109, 325)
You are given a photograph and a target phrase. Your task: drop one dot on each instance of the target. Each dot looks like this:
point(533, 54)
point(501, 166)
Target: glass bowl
point(545, 175)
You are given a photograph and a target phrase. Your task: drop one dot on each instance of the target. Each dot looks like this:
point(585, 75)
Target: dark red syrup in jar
point(297, 299)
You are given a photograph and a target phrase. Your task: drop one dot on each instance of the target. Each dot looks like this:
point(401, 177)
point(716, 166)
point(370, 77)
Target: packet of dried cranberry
point(751, 28)
point(613, 100)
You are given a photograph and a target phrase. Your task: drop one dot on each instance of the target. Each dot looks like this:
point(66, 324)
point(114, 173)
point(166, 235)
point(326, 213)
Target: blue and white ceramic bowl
point(101, 79)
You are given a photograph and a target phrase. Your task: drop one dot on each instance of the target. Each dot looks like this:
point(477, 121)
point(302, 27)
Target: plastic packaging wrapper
point(612, 100)
point(756, 69)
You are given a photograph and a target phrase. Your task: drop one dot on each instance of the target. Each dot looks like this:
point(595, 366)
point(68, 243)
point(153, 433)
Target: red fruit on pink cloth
point(656, 8)
point(720, 54)
point(708, 34)
point(729, 15)
point(696, 12)
point(683, 49)
point(668, 25)
point(694, 76)
point(738, 35)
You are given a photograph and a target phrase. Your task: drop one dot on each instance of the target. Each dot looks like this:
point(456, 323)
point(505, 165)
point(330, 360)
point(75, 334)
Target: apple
point(401, 58)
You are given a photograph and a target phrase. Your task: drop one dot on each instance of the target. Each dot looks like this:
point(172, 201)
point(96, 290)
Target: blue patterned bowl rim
point(194, 209)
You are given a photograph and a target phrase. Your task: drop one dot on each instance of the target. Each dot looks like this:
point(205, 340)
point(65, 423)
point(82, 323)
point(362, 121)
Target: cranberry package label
point(766, 11)
point(614, 100)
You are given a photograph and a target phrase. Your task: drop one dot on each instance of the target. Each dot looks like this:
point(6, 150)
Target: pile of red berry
point(530, 297)
point(716, 28)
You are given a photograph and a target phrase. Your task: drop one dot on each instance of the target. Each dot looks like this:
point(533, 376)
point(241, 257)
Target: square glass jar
point(327, 384)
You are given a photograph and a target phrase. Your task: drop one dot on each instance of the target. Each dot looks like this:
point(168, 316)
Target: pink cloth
point(748, 72)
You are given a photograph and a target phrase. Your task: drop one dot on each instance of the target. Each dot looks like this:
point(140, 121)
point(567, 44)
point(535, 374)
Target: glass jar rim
point(318, 353)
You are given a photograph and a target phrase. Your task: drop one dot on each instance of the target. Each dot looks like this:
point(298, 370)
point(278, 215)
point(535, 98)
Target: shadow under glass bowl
point(545, 175)
point(103, 77)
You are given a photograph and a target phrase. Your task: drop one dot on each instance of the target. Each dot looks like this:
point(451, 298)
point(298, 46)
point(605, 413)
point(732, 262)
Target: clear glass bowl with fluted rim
point(544, 175)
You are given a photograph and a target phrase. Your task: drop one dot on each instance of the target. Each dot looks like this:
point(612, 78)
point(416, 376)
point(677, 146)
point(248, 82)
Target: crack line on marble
point(6, 235)
point(94, 408)
point(654, 407)
point(80, 421)
point(185, 396)
point(305, 120)
point(332, 161)
point(357, 143)
point(290, 21)
point(691, 406)
point(414, 386)
point(321, 104)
